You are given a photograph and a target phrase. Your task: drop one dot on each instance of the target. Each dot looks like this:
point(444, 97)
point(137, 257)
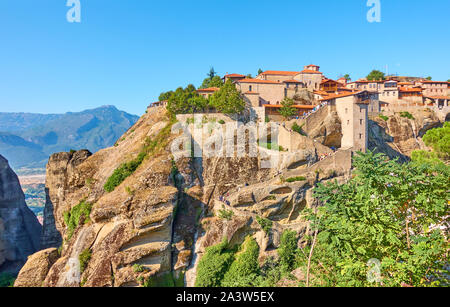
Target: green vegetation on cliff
point(6, 280)
point(214, 264)
point(84, 258)
point(245, 268)
point(265, 224)
point(151, 146)
point(73, 217)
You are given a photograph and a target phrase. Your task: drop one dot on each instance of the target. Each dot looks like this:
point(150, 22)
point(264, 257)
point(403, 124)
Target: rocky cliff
point(19, 228)
point(154, 226)
point(399, 135)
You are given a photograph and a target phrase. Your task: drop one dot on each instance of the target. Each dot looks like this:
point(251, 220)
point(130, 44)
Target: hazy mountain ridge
point(29, 139)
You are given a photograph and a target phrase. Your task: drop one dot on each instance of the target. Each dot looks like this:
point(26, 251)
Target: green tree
point(376, 75)
point(228, 100)
point(439, 140)
point(429, 78)
point(347, 77)
point(212, 73)
point(389, 211)
point(185, 100)
point(244, 269)
point(216, 81)
point(165, 96)
point(288, 250)
point(287, 109)
point(213, 265)
point(260, 71)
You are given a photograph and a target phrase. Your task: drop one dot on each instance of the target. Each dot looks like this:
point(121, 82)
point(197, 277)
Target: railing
point(316, 108)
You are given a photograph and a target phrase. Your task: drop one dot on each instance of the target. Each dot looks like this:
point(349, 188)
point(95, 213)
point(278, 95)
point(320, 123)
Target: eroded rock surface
point(19, 228)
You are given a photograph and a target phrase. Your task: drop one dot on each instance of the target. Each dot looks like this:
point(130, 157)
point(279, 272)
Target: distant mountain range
point(27, 140)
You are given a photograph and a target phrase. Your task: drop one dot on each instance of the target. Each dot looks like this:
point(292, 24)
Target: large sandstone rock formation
point(159, 221)
point(19, 228)
point(399, 136)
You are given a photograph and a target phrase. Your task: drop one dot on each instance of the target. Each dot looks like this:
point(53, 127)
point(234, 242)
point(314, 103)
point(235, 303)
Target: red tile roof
point(234, 76)
point(428, 81)
point(280, 73)
point(439, 97)
point(328, 80)
point(334, 96)
point(208, 90)
point(258, 81)
point(410, 90)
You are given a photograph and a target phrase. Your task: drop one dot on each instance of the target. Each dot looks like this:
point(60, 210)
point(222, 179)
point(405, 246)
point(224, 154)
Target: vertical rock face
point(399, 136)
point(60, 168)
point(20, 230)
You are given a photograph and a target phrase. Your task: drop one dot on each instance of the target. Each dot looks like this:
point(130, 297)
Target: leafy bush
point(166, 280)
point(151, 146)
point(439, 140)
point(288, 250)
point(245, 268)
point(406, 115)
point(7, 280)
point(225, 214)
point(222, 122)
point(384, 117)
point(298, 129)
point(122, 172)
point(73, 217)
point(287, 110)
point(376, 75)
point(265, 224)
point(271, 146)
point(214, 264)
point(185, 100)
point(84, 258)
point(389, 211)
point(295, 179)
point(138, 268)
point(228, 99)
point(269, 273)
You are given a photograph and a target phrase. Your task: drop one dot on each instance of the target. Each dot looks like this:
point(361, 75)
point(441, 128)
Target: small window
point(361, 122)
point(360, 136)
point(250, 88)
point(348, 122)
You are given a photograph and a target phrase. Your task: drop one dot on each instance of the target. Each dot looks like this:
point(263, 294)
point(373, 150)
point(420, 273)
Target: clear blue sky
point(125, 52)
